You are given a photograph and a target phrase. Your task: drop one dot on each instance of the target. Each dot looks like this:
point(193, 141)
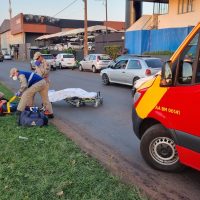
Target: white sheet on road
point(69, 93)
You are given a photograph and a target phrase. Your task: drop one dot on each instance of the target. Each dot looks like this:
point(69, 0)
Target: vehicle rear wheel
point(53, 68)
point(94, 70)
point(159, 149)
point(80, 68)
point(135, 79)
point(105, 79)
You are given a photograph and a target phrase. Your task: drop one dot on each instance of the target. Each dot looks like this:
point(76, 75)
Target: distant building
point(165, 29)
point(181, 13)
point(19, 34)
point(5, 35)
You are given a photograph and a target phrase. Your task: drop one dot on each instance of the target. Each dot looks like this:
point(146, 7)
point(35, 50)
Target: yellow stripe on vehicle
point(150, 99)
point(146, 84)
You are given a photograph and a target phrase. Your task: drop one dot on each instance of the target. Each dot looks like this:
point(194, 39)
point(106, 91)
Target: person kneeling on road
point(30, 84)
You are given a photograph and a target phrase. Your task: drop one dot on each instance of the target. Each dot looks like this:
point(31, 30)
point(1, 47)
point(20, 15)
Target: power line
point(66, 7)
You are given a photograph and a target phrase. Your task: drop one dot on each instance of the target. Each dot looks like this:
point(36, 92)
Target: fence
point(138, 42)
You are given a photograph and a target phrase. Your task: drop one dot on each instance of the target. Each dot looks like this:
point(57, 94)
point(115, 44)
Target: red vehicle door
point(181, 104)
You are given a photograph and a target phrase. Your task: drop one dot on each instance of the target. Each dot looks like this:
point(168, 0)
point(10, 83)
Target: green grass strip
point(41, 163)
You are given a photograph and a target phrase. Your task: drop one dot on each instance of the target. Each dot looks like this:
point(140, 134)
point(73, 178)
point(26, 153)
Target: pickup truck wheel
point(94, 70)
point(105, 79)
point(159, 149)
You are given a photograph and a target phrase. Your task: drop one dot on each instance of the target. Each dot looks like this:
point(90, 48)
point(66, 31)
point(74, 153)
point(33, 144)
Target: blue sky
point(96, 9)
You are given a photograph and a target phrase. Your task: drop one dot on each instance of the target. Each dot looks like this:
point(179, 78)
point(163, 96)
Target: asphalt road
point(111, 124)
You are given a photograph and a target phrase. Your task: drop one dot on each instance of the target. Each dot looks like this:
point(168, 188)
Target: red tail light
point(62, 59)
point(148, 72)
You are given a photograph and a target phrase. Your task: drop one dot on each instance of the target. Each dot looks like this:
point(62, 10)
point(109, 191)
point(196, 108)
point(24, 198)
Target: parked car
point(7, 56)
point(75, 45)
point(51, 47)
point(1, 57)
point(129, 70)
point(91, 46)
point(95, 62)
point(59, 47)
point(127, 56)
point(65, 60)
point(49, 59)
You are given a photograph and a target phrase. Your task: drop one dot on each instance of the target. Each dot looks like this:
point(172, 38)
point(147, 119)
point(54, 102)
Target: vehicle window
point(154, 63)
point(87, 58)
point(47, 57)
point(186, 60)
point(121, 64)
point(134, 64)
point(197, 78)
point(68, 56)
point(104, 57)
point(92, 57)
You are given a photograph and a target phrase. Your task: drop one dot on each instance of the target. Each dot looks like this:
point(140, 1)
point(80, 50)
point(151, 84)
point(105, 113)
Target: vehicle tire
point(53, 68)
point(135, 79)
point(78, 103)
point(94, 70)
point(80, 68)
point(97, 103)
point(159, 149)
point(105, 79)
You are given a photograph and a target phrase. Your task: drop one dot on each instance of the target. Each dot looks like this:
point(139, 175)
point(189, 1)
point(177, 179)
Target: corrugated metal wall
point(138, 42)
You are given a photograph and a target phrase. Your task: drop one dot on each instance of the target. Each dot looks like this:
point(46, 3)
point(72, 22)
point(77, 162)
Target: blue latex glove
point(37, 63)
point(18, 94)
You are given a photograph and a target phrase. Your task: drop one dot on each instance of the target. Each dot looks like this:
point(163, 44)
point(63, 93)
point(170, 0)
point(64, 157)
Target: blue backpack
point(33, 117)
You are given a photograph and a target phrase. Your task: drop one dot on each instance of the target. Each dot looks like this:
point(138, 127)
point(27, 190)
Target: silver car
point(49, 59)
point(127, 71)
point(95, 62)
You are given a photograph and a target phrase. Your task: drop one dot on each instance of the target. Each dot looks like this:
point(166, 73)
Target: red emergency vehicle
point(166, 110)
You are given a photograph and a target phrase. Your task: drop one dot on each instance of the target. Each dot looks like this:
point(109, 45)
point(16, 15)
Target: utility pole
point(106, 5)
point(86, 30)
point(10, 9)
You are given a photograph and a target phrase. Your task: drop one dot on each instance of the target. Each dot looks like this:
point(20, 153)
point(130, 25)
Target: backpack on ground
point(32, 117)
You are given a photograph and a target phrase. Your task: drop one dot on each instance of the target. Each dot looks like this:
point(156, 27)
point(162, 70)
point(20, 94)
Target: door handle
point(123, 72)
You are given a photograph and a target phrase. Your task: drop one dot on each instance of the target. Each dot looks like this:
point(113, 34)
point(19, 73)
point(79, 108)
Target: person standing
point(43, 69)
point(30, 84)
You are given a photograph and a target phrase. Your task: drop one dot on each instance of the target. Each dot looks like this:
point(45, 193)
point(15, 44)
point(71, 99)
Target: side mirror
point(166, 76)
